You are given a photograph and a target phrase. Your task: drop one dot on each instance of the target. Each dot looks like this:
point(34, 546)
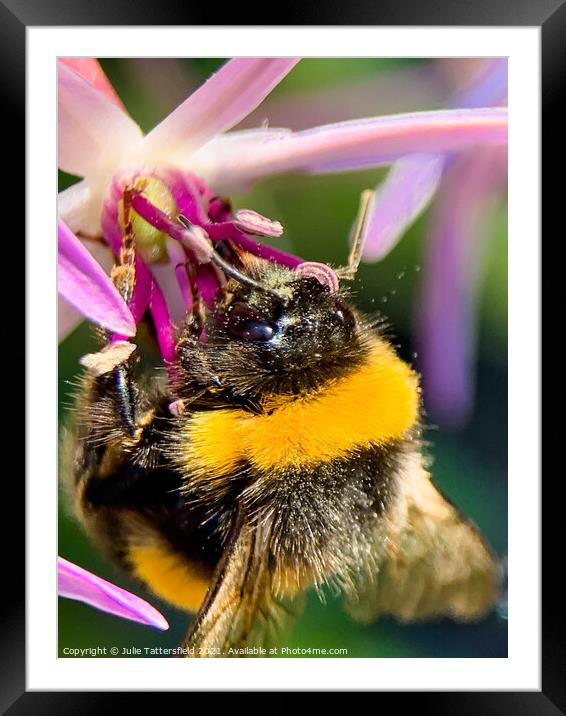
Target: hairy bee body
point(284, 454)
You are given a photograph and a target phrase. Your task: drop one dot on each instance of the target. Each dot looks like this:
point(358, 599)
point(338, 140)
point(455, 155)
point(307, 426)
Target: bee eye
point(343, 315)
point(245, 322)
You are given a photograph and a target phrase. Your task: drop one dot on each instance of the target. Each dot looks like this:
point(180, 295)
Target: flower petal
point(79, 584)
point(488, 88)
point(225, 150)
point(90, 70)
point(67, 317)
point(412, 182)
point(447, 306)
point(363, 143)
point(85, 285)
point(80, 209)
point(406, 191)
point(217, 106)
point(93, 131)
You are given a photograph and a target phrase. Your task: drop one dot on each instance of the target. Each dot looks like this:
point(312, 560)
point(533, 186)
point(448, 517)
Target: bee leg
point(112, 367)
point(126, 398)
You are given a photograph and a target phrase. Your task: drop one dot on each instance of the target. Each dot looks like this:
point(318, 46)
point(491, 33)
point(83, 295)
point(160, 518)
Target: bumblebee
point(284, 453)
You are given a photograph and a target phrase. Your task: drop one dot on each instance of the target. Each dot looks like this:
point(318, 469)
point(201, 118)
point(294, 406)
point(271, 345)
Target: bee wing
point(431, 561)
point(241, 607)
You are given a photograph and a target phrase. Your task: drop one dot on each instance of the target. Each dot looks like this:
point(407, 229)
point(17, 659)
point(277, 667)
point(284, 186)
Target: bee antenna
point(349, 271)
point(232, 271)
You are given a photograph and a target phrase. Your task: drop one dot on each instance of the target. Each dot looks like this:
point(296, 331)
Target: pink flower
point(101, 143)
point(76, 583)
point(182, 167)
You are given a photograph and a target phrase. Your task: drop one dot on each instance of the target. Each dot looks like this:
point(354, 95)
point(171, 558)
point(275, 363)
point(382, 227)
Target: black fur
point(317, 336)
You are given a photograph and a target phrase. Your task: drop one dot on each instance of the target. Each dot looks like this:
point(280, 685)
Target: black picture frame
point(550, 16)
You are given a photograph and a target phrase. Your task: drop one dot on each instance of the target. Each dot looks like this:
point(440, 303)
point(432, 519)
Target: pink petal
point(392, 91)
point(93, 131)
point(85, 285)
point(92, 72)
point(412, 182)
point(451, 275)
point(218, 105)
point(409, 186)
point(67, 317)
point(361, 143)
point(488, 87)
point(80, 209)
point(77, 583)
point(226, 150)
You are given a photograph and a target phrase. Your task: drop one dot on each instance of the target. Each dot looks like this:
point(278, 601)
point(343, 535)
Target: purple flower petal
point(85, 285)
point(225, 150)
point(489, 87)
point(77, 583)
point(412, 182)
point(361, 143)
point(447, 307)
point(218, 105)
point(67, 317)
point(93, 130)
point(408, 188)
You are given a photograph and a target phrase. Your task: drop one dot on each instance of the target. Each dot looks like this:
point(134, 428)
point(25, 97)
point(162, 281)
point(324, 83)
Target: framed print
point(321, 545)
point(297, 402)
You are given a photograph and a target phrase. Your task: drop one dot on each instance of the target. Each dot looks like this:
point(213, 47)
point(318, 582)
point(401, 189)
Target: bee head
point(280, 330)
point(289, 333)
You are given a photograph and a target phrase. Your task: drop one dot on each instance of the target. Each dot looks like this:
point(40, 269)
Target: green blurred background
point(470, 463)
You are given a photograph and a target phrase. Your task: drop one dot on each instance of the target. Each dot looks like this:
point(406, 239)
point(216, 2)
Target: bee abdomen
point(325, 516)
